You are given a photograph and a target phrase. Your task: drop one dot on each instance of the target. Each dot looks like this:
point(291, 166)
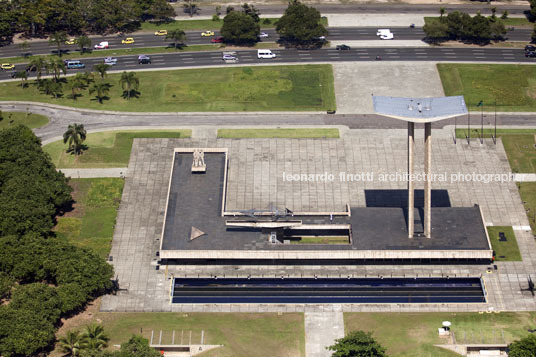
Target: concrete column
point(427, 182)
point(411, 184)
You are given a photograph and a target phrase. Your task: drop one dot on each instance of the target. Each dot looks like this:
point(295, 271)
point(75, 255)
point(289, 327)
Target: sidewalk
point(94, 173)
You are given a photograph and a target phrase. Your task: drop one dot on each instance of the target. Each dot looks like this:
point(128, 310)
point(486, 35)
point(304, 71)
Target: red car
point(218, 39)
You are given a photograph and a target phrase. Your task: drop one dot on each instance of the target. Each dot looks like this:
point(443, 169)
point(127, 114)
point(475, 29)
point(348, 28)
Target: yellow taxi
point(128, 40)
point(160, 33)
point(207, 33)
point(7, 66)
point(70, 41)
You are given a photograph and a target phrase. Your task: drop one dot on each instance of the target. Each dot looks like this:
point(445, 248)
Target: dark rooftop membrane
point(195, 201)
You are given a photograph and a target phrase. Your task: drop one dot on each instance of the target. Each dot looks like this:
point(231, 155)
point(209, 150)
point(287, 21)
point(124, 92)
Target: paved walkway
point(321, 331)
point(93, 173)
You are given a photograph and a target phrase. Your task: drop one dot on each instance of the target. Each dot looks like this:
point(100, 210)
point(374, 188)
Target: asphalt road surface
point(195, 38)
point(214, 58)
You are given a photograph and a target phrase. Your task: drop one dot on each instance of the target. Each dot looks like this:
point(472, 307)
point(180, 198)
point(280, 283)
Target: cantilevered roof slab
point(420, 110)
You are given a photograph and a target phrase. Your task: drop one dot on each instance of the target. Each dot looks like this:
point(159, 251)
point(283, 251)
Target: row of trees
point(94, 339)
point(300, 25)
point(42, 278)
point(462, 27)
point(93, 81)
point(39, 18)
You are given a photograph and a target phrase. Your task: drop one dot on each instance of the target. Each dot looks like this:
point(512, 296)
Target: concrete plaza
point(256, 180)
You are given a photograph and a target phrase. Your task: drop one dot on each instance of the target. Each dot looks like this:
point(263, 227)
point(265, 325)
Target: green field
point(241, 334)
point(106, 149)
point(414, 334)
point(31, 120)
point(527, 191)
point(91, 223)
point(271, 88)
point(512, 86)
point(278, 133)
point(504, 251)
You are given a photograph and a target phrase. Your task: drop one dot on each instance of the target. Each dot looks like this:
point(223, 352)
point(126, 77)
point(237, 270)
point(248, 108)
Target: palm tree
point(83, 42)
point(72, 343)
point(58, 39)
point(101, 69)
point(74, 136)
point(23, 76)
point(56, 66)
point(38, 63)
point(101, 88)
point(442, 11)
point(129, 81)
point(75, 85)
point(95, 336)
point(176, 36)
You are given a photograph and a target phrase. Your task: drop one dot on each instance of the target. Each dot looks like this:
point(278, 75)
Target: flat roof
point(195, 200)
point(420, 110)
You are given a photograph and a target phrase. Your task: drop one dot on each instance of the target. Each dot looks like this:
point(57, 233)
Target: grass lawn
point(106, 149)
point(414, 334)
point(91, 223)
point(505, 251)
point(31, 120)
point(242, 334)
point(527, 191)
point(512, 86)
point(270, 88)
point(278, 133)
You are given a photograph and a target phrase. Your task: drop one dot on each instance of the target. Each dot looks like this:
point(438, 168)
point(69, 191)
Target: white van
point(265, 54)
point(381, 32)
point(102, 45)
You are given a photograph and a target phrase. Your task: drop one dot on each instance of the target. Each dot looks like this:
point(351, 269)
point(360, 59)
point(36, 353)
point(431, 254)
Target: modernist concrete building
point(198, 227)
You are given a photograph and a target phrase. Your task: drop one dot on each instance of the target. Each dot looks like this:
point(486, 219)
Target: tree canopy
point(300, 25)
point(32, 192)
point(461, 26)
point(240, 28)
point(357, 343)
point(38, 18)
point(54, 277)
point(526, 347)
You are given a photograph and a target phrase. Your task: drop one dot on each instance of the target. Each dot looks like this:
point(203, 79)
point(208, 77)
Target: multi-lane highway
point(194, 38)
point(214, 58)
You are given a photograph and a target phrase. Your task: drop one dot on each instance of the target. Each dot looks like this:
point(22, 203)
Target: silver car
point(110, 61)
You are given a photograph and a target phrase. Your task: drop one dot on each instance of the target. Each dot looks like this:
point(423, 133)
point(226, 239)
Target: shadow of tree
point(133, 94)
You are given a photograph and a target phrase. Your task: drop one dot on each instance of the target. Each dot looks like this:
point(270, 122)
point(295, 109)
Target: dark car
point(530, 48)
point(343, 48)
point(143, 59)
point(218, 39)
point(530, 54)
